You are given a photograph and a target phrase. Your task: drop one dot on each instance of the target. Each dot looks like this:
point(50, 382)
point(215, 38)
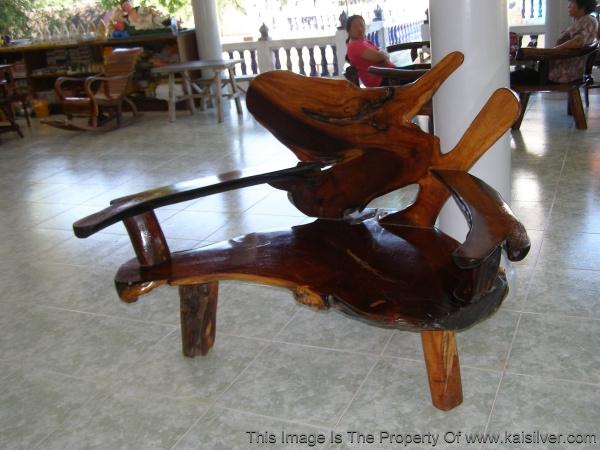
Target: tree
point(171, 6)
point(13, 17)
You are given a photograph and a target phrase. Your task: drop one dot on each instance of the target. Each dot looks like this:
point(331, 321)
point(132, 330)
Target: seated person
point(363, 54)
point(583, 31)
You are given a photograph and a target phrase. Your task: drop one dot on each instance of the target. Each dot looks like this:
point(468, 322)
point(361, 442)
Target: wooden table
point(202, 88)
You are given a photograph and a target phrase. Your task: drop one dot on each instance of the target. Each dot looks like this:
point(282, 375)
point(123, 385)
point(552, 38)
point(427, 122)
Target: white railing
point(315, 56)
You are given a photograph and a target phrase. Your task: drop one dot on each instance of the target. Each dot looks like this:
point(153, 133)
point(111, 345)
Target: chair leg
point(586, 94)
point(443, 368)
point(120, 114)
point(577, 109)
point(198, 317)
point(524, 99)
point(24, 105)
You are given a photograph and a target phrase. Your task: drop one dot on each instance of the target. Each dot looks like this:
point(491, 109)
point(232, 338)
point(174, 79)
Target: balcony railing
point(314, 56)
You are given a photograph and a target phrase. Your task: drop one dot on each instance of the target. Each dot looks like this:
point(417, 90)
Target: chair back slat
point(121, 61)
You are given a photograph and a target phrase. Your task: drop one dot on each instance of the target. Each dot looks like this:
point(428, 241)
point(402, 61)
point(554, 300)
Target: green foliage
point(13, 17)
point(170, 6)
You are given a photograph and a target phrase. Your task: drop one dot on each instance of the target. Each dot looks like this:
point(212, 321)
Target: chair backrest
point(367, 139)
point(590, 61)
point(121, 61)
point(7, 80)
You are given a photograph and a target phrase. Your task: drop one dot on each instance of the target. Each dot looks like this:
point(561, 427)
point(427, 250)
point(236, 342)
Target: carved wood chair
point(104, 96)
point(389, 268)
point(542, 56)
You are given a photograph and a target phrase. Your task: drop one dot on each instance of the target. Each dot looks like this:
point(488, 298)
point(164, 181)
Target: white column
point(479, 29)
point(207, 29)
point(557, 19)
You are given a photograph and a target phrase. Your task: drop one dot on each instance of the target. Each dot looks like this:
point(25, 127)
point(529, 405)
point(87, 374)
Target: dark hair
point(352, 19)
point(589, 6)
point(349, 21)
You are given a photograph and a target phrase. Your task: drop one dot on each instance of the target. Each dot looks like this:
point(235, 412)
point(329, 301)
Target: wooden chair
point(542, 56)
point(389, 268)
point(8, 95)
point(104, 96)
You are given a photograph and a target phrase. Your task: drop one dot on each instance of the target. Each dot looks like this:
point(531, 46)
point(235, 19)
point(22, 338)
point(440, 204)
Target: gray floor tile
point(396, 398)
point(99, 348)
point(298, 383)
point(223, 429)
point(577, 251)
point(571, 292)
point(518, 288)
point(558, 347)
point(331, 329)
point(575, 217)
point(531, 214)
point(528, 404)
point(164, 369)
point(121, 419)
point(253, 310)
point(485, 345)
point(34, 403)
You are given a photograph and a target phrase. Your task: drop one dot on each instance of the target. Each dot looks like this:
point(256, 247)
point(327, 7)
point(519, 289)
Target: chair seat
point(402, 277)
point(553, 87)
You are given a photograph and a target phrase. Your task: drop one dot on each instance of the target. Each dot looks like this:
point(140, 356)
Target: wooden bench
point(542, 57)
point(390, 268)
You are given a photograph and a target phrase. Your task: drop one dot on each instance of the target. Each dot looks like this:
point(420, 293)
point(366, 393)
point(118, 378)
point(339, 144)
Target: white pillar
point(479, 29)
point(557, 19)
point(207, 29)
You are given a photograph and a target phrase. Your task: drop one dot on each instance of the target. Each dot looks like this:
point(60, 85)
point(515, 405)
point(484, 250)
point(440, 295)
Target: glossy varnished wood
point(143, 202)
point(198, 317)
point(490, 219)
point(402, 277)
point(443, 368)
point(388, 268)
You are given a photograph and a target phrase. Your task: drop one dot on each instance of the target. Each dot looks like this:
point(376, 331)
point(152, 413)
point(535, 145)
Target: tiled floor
point(79, 369)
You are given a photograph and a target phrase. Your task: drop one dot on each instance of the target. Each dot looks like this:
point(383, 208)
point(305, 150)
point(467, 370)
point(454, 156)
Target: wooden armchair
point(542, 56)
point(389, 268)
point(104, 94)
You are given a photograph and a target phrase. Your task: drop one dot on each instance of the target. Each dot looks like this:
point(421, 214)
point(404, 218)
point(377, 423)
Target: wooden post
point(443, 368)
point(198, 317)
point(147, 239)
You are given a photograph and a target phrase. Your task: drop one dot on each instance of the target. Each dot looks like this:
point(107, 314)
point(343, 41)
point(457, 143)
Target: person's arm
point(580, 33)
point(574, 42)
point(374, 55)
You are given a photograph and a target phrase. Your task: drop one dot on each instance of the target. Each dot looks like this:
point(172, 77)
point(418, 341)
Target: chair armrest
point(397, 74)
point(87, 86)
point(490, 219)
point(548, 54)
point(407, 46)
point(59, 82)
point(133, 205)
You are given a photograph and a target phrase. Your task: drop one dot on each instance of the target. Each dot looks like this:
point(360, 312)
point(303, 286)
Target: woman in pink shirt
point(362, 54)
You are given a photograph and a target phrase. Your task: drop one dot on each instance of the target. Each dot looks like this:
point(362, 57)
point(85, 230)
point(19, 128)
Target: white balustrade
point(314, 56)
